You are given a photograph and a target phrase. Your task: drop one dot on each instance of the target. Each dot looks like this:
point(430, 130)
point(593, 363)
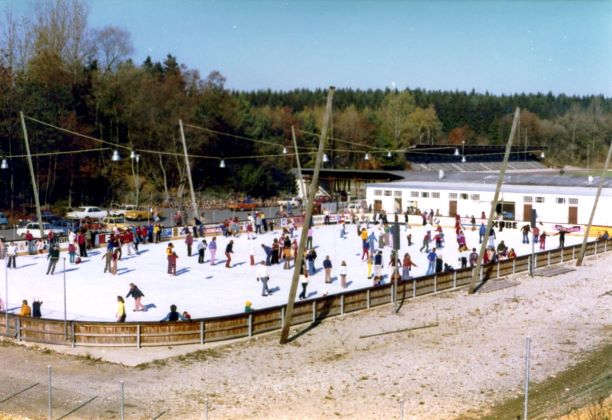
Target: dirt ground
point(439, 357)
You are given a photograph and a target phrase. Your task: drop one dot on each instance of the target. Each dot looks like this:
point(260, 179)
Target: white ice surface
point(204, 290)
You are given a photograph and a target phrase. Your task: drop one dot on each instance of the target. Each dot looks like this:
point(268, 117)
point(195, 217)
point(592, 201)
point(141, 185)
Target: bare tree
point(113, 46)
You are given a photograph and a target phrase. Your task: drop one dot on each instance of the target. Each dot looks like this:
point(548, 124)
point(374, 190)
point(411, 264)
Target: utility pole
point(602, 179)
point(194, 204)
point(34, 182)
point(299, 165)
point(500, 180)
point(314, 184)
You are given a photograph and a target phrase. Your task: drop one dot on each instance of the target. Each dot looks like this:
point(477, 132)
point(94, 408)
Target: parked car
point(137, 213)
point(113, 222)
point(87, 211)
point(4, 223)
point(293, 201)
point(242, 205)
point(34, 229)
point(121, 209)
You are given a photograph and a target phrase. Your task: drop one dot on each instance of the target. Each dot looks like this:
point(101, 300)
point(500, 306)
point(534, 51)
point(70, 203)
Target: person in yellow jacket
point(156, 230)
point(25, 309)
point(120, 309)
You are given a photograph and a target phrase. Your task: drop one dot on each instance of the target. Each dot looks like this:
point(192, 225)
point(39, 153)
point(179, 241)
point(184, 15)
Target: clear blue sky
point(495, 46)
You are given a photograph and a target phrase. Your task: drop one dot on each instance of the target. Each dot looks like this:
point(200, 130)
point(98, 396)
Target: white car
point(88, 211)
point(34, 229)
point(293, 201)
point(122, 209)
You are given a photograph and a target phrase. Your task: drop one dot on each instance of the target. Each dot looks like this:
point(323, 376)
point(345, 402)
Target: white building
point(556, 198)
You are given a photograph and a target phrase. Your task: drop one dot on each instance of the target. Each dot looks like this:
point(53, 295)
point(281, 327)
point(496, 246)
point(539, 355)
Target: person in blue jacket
point(173, 315)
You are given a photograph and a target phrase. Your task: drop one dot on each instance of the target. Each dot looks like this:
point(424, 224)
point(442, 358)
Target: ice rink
point(204, 290)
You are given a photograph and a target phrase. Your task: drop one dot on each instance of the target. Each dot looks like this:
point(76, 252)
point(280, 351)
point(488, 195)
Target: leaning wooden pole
point(299, 165)
point(194, 204)
point(500, 181)
point(314, 185)
point(602, 179)
point(34, 182)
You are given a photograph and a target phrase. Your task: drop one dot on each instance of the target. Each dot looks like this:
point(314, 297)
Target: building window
point(475, 197)
point(527, 199)
point(573, 201)
point(397, 193)
point(463, 196)
point(560, 200)
point(377, 192)
point(435, 195)
point(539, 199)
point(414, 194)
point(452, 196)
point(424, 194)
point(387, 193)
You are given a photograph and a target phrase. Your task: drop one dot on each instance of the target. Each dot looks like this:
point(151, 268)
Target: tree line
point(58, 70)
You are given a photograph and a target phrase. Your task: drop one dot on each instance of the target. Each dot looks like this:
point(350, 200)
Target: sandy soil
point(469, 355)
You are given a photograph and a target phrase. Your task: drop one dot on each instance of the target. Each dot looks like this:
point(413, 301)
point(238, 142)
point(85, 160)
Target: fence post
point(392, 294)
point(201, 332)
point(314, 311)
point(138, 336)
point(562, 249)
point(595, 246)
point(282, 316)
point(513, 266)
point(548, 262)
point(435, 283)
point(368, 299)
point(413, 288)
point(573, 253)
point(497, 269)
point(454, 279)
point(250, 324)
point(17, 327)
point(526, 402)
point(342, 304)
point(72, 334)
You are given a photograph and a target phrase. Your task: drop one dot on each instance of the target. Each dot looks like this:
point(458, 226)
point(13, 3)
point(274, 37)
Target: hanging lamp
point(115, 156)
point(222, 164)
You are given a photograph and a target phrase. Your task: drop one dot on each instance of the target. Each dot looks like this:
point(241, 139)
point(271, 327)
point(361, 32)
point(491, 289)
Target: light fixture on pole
point(389, 154)
point(115, 157)
point(132, 154)
point(366, 157)
point(325, 158)
point(542, 156)
point(463, 159)
point(284, 150)
point(137, 157)
point(4, 164)
point(222, 164)
point(456, 151)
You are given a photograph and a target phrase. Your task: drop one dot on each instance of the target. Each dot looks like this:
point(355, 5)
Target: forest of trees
point(60, 72)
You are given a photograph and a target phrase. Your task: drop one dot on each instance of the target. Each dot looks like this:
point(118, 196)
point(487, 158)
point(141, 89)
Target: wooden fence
point(200, 331)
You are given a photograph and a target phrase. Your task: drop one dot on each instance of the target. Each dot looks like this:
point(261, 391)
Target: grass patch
point(586, 383)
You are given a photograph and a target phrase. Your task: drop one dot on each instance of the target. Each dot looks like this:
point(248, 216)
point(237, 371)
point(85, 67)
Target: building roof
point(545, 183)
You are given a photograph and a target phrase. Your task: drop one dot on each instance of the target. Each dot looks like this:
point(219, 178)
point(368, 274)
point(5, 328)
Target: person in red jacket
point(81, 242)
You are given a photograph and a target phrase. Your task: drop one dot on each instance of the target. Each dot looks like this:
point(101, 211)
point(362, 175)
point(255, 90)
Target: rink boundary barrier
point(245, 325)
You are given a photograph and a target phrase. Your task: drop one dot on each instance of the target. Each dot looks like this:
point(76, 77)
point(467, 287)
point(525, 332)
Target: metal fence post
point(18, 328)
point(314, 311)
point(454, 279)
point(50, 409)
point(122, 401)
point(138, 336)
point(435, 283)
point(562, 249)
point(282, 316)
point(201, 332)
point(513, 266)
point(250, 324)
point(413, 288)
point(72, 334)
point(498, 269)
point(368, 299)
point(548, 262)
point(392, 294)
point(342, 304)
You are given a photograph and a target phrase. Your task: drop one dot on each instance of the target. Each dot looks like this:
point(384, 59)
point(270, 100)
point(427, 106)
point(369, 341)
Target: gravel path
point(469, 355)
